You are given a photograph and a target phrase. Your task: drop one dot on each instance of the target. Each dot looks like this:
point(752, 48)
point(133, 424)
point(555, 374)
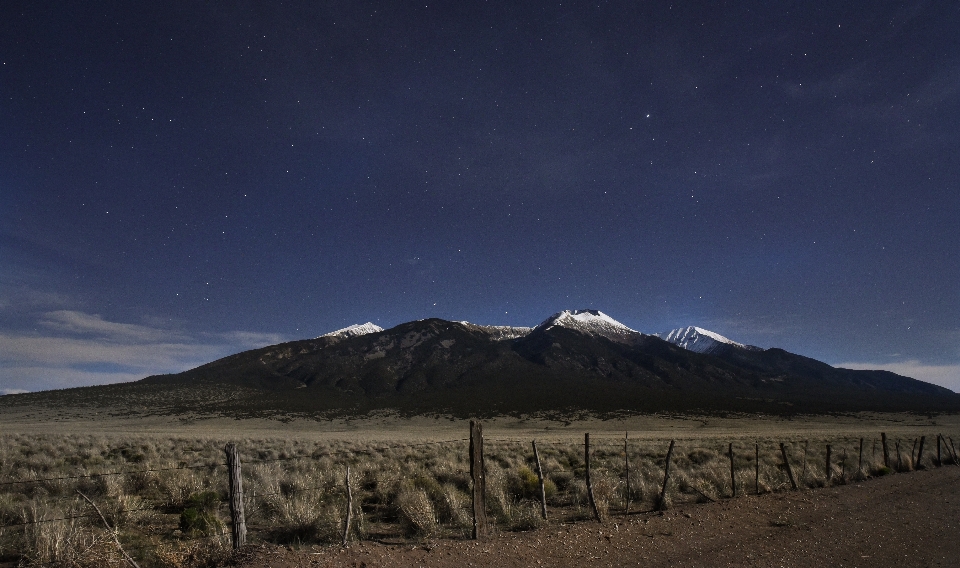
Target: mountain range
point(574, 360)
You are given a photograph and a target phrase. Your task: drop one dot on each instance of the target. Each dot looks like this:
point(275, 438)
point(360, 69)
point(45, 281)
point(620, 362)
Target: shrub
point(526, 485)
point(417, 516)
point(199, 515)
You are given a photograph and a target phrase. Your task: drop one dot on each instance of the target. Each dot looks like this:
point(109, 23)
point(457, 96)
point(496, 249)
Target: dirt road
point(898, 520)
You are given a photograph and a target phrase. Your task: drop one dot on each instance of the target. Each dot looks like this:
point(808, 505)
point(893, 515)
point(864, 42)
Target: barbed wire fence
point(622, 458)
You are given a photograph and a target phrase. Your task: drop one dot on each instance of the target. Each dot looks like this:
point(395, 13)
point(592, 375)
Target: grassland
point(161, 482)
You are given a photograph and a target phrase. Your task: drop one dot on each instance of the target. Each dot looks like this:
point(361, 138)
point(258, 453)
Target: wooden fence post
point(733, 478)
point(626, 468)
point(829, 469)
point(886, 451)
point(586, 459)
point(920, 454)
point(543, 490)
point(939, 462)
point(349, 519)
point(843, 466)
point(662, 502)
point(786, 463)
point(479, 481)
point(913, 452)
point(860, 460)
point(237, 521)
point(757, 466)
point(899, 457)
point(803, 468)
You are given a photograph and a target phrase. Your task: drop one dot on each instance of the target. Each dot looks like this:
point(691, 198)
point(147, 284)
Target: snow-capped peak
point(354, 330)
point(590, 322)
point(700, 340)
point(499, 332)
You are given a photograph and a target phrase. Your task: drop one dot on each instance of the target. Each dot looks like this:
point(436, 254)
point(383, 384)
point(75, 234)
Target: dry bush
point(453, 508)
point(67, 542)
point(192, 554)
point(527, 516)
point(415, 510)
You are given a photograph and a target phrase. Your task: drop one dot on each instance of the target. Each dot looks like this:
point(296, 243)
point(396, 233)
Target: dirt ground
point(909, 519)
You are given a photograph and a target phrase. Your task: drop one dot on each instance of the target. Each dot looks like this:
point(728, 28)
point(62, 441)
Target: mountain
point(702, 340)
point(574, 360)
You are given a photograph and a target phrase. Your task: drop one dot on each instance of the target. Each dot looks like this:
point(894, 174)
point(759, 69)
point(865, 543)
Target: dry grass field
point(161, 483)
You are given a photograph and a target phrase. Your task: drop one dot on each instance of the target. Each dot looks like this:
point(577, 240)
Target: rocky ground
point(898, 520)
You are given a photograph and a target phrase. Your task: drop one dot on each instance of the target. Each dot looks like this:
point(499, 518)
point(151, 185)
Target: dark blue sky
point(185, 180)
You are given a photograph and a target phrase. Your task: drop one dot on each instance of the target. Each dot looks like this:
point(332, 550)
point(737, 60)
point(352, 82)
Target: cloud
point(72, 348)
point(943, 375)
point(92, 324)
point(251, 339)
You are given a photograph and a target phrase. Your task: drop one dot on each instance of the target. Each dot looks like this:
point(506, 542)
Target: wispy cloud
point(93, 325)
point(943, 375)
point(72, 348)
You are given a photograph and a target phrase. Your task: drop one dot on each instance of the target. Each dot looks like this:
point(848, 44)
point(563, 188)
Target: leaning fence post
point(886, 450)
point(860, 460)
point(913, 451)
point(586, 458)
point(479, 481)
point(543, 490)
point(899, 457)
point(757, 466)
point(662, 502)
point(803, 468)
point(920, 453)
point(733, 478)
point(786, 463)
point(626, 468)
point(349, 519)
point(237, 520)
point(939, 462)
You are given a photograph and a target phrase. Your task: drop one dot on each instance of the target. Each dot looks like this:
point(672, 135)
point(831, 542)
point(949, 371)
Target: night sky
point(180, 181)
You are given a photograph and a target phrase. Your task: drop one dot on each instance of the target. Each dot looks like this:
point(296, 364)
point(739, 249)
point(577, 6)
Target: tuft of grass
point(199, 515)
point(416, 512)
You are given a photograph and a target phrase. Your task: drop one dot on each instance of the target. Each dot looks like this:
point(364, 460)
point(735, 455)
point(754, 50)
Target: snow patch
point(354, 330)
point(590, 322)
point(700, 340)
point(499, 332)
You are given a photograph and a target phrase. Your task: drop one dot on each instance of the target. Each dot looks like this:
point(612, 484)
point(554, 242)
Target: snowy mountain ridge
point(587, 321)
point(500, 332)
point(354, 330)
point(590, 322)
point(700, 340)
